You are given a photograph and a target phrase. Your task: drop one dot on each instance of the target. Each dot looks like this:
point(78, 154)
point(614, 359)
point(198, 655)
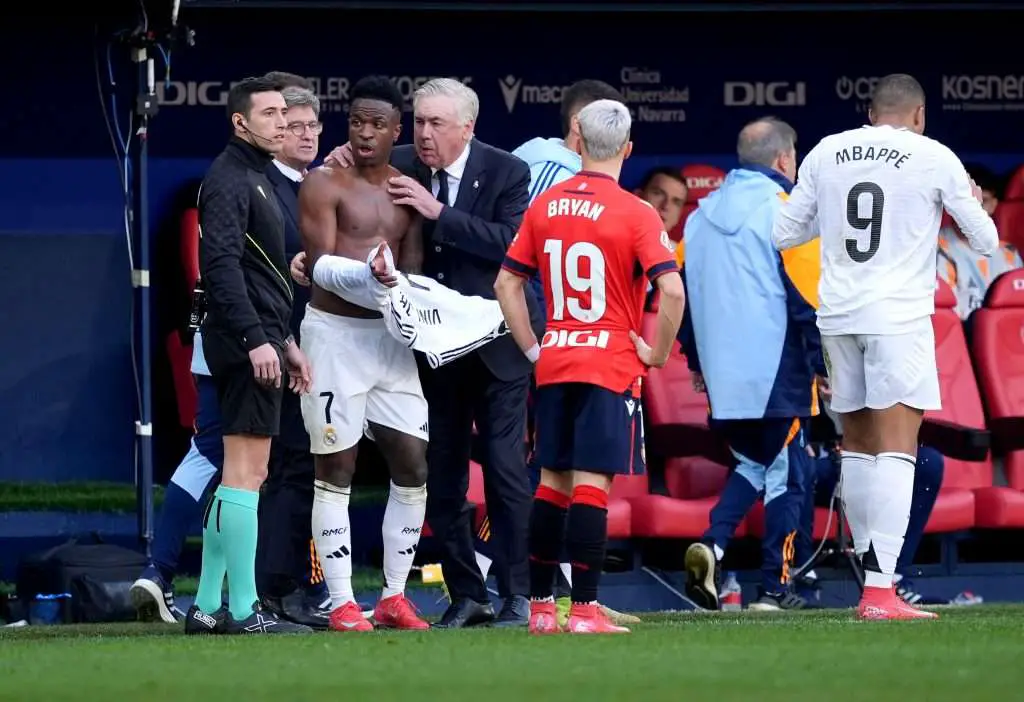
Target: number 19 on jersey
point(569, 268)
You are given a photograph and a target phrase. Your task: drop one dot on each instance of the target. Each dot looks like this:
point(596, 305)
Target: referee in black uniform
point(246, 341)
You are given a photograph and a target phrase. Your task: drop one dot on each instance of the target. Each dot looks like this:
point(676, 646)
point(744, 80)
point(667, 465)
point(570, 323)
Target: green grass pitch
point(974, 654)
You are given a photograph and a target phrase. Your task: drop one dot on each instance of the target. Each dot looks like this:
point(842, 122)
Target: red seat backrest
point(1009, 216)
point(961, 400)
point(694, 478)
point(998, 342)
point(1009, 219)
point(1015, 185)
point(700, 179)
point(475, 493)
point(624, 486)
point(190, 247)
point(179, 354)
point(668, 396)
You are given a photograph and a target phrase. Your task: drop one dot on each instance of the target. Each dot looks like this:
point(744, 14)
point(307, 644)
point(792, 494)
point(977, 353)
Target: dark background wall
point(67, 393)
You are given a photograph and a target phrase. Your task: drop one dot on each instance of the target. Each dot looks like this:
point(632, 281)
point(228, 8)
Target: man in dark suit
point(288, 575)
point(472, 197)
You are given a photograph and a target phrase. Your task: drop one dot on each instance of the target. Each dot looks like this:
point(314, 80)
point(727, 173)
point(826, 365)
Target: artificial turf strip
point(364, 579)
point(971, 654)
point(111, 498)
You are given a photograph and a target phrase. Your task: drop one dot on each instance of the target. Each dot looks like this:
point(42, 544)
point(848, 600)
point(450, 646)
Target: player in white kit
point(875, 196)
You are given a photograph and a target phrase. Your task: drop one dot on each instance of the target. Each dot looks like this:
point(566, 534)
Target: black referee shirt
point(242, 258)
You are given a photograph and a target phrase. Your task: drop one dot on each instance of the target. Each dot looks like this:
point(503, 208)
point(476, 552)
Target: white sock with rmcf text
point(332, 535)
point(403, 521)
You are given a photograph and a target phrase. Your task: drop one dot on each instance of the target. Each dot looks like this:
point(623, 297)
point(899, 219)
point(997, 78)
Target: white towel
point(423, 314)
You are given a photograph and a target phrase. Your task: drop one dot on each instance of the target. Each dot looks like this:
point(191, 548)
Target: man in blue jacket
point(751, 342)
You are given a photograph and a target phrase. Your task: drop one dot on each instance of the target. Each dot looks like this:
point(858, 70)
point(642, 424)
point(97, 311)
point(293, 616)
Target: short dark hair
point(240, 95)
point(377, 88)
point(670, 171)
point(283, 80)
point(582, 93)
point(896, 93)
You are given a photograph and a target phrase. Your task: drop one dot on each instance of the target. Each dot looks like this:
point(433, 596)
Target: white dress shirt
point(455, 172)
point(289, 172)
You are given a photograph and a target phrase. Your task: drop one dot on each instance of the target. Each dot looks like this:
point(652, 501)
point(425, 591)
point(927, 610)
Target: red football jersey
point(592, 242)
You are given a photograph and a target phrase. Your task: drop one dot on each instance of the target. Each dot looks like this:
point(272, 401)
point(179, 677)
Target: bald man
point(744, 311)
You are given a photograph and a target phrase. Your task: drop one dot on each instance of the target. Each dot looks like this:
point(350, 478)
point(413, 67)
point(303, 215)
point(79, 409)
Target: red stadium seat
point(695, 477)
point(755, 522)
point(620, 508)
point(1009, 215)
point(1003, 507)
point(700, 179)
point(1009, 219)
point(676, 416)
point(957, 430)
point(178, 353)
point(998, 342)
point(998, 345)
point(694, 484)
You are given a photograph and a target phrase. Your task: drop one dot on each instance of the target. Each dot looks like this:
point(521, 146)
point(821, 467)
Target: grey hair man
point(733, 272)
point(769, 143)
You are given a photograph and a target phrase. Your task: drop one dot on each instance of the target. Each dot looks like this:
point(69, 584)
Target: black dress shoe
point(465, 613)
point(297, 608)
point(514, 612)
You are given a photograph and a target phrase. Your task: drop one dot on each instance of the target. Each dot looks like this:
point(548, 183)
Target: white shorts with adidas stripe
point(361, 375)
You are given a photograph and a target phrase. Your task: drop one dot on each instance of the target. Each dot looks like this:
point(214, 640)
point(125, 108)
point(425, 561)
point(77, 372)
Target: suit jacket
point(292, 433)
point(465, 248)
point(287, 192)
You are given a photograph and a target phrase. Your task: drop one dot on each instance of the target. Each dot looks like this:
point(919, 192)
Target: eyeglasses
point(299, 128)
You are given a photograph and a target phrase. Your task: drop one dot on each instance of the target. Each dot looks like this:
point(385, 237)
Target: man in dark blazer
point(472, 197)
point(288, 575)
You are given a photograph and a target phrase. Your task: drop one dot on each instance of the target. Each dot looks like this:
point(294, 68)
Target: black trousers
point(285, 557)
point(459, 394)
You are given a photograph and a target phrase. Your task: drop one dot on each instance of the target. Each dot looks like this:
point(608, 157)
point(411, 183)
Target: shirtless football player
point(364, 379)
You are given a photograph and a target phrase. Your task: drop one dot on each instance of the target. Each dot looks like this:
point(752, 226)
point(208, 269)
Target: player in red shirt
point(592, 242)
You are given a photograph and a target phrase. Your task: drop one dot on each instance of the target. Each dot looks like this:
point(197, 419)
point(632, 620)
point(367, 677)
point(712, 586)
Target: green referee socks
point(211, 576)
point(229, 546)
point(238, 531)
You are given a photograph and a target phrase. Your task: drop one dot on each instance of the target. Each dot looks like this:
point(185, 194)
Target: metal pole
point(141, 281)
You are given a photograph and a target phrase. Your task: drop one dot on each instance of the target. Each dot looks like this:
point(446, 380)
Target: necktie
point(442, 187)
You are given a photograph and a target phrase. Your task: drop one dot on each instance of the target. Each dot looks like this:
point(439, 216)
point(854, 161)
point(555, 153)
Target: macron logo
point(510, 86)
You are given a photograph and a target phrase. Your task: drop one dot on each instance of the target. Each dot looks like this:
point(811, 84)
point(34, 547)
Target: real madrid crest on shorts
point(330, 436)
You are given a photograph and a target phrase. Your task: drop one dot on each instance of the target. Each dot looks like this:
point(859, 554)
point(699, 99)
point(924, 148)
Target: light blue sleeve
point(545, 174)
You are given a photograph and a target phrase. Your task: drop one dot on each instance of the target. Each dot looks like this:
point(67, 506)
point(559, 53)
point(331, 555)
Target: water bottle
point(46, 609)
point(732, 595)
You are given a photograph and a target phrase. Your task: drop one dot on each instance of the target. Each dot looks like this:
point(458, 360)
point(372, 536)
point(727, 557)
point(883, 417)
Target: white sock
point(719, 552)
point(892, 493)
point(857, 476)
point(332, 535)
point(403, 520)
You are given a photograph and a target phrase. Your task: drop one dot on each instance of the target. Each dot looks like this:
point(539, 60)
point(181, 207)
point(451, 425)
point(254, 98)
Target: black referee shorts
point(246, 407)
